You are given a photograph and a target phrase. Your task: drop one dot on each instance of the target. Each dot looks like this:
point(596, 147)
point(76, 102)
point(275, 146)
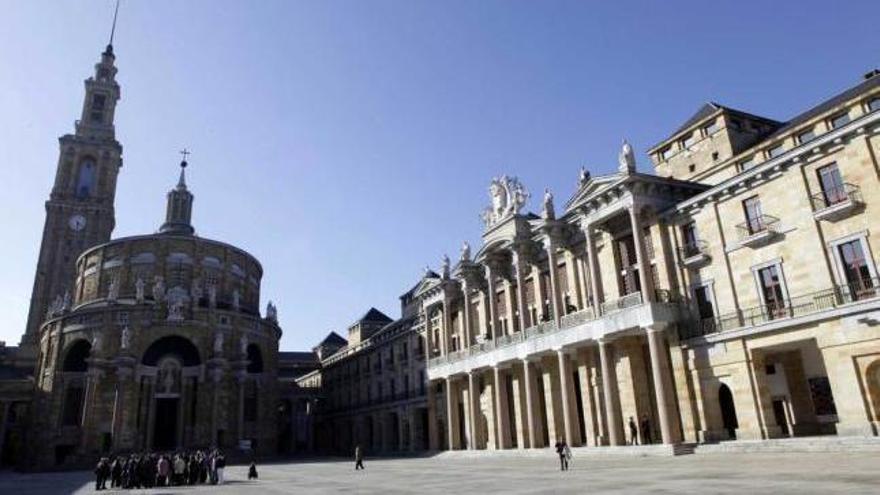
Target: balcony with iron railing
point(837, 202)
point(693, 254)
point(793, 307)
point(758, 231)
point(629, 311)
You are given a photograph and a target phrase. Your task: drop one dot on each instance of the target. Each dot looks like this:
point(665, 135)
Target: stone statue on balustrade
point(158, 288)
point(626, 159)
point(549, 213)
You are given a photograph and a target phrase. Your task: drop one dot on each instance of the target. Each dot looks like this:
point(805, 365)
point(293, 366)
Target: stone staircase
point(817, 444)
point(801, 444)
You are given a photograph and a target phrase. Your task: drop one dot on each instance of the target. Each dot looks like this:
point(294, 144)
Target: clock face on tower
point(77, 222)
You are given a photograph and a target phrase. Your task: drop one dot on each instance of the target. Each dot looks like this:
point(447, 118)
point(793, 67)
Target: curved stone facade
point(187, 363)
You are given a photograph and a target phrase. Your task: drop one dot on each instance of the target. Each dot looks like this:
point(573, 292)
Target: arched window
point(85, 182)
point(172, 345)
point(255, 359)
point(75, 360)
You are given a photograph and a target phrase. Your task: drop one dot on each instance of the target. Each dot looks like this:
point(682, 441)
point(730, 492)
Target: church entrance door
point(165, 426)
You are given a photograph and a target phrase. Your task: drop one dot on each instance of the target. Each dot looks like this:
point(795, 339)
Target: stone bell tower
point(79, 212)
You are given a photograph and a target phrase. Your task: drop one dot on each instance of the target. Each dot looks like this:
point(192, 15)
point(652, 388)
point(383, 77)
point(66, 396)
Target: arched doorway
point(171, 369)
point(728, 411)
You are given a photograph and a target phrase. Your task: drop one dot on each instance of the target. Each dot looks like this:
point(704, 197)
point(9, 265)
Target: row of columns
point(589, 294)
point(568, 425)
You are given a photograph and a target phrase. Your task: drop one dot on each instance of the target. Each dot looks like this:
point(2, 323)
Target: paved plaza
point(710, 473)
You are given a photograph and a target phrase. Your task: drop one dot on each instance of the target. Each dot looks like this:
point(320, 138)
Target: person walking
point(252, 471)
point(633, 432)
point(102, 470)
point(646, 430)
point(358, 457)
point(220, 463)
point(564, 453)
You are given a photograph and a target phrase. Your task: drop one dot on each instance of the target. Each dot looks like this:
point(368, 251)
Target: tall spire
point(109, 50)
point(178, 212)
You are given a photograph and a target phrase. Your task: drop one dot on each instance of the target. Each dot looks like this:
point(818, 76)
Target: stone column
point(433, 440)
point(451, 413)
point(502, 410)
point(493, 310)
point(92, 376)
point(555, 295)
point(569, 411)
point(574, 283)
point(612, 396)
point(593, 266)
point(510, 300)
point(531, 397)
point(662, 384)
point(539, 293)
point(119, 428)
point(151, 411)
point(519, 272)
point(446, 328)
point(473, 409)
point(4, 419)
point(641, 257)
point(466, 315)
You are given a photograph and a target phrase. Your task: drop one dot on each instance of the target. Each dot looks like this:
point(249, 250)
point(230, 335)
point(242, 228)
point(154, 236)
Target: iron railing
point(547, 327)
point(758, 225)
point(786, 308)
point(836, 195)
point(692, 249)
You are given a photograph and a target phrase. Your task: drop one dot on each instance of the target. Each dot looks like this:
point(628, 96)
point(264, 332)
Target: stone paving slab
point(722, 473)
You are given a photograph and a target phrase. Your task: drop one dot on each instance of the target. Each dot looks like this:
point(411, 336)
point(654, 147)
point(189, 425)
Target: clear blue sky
point(349, 144)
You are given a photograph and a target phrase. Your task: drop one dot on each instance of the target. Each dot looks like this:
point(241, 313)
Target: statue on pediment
point(626, 159)
point(445, 268)
point(65, 302)
point(465, 251)
point(584, 177)
point(508, 196)
point(549, 213)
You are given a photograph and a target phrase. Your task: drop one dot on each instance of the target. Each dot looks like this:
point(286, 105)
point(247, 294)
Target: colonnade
point(570, 394)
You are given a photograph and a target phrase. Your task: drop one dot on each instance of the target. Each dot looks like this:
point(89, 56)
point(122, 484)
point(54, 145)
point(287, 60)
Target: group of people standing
point(147, 470)
point(643, 428)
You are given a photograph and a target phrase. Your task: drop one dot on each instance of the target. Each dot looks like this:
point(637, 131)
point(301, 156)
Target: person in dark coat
point(252, 471)
point(563, 452)
point(358, 458)
point(633, 432)
point(646, 430)
point(102, 472)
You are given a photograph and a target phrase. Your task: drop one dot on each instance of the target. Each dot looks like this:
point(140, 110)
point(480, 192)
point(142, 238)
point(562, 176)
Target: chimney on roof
point(872, 73)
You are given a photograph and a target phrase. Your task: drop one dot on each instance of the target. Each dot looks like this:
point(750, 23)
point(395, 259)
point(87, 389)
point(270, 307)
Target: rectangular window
point(856, 271)
point(771, 291)
point(690, 140)
point(666, 152)
point(97, 110)
point(746, 164)
point(754, 217)
point(874, 105)
point(704, 303)
point(840, 120)
point(831, 182)
point(806, 136)
point(711, 128)
point(776, 151)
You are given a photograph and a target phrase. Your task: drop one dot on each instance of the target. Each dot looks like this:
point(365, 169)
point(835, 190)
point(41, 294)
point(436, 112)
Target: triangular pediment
point(593, 186)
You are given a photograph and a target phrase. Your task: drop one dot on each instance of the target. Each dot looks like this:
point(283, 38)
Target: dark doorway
point(728, 411)
point(579, 402)
point(780, 416)
point(165, 429)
